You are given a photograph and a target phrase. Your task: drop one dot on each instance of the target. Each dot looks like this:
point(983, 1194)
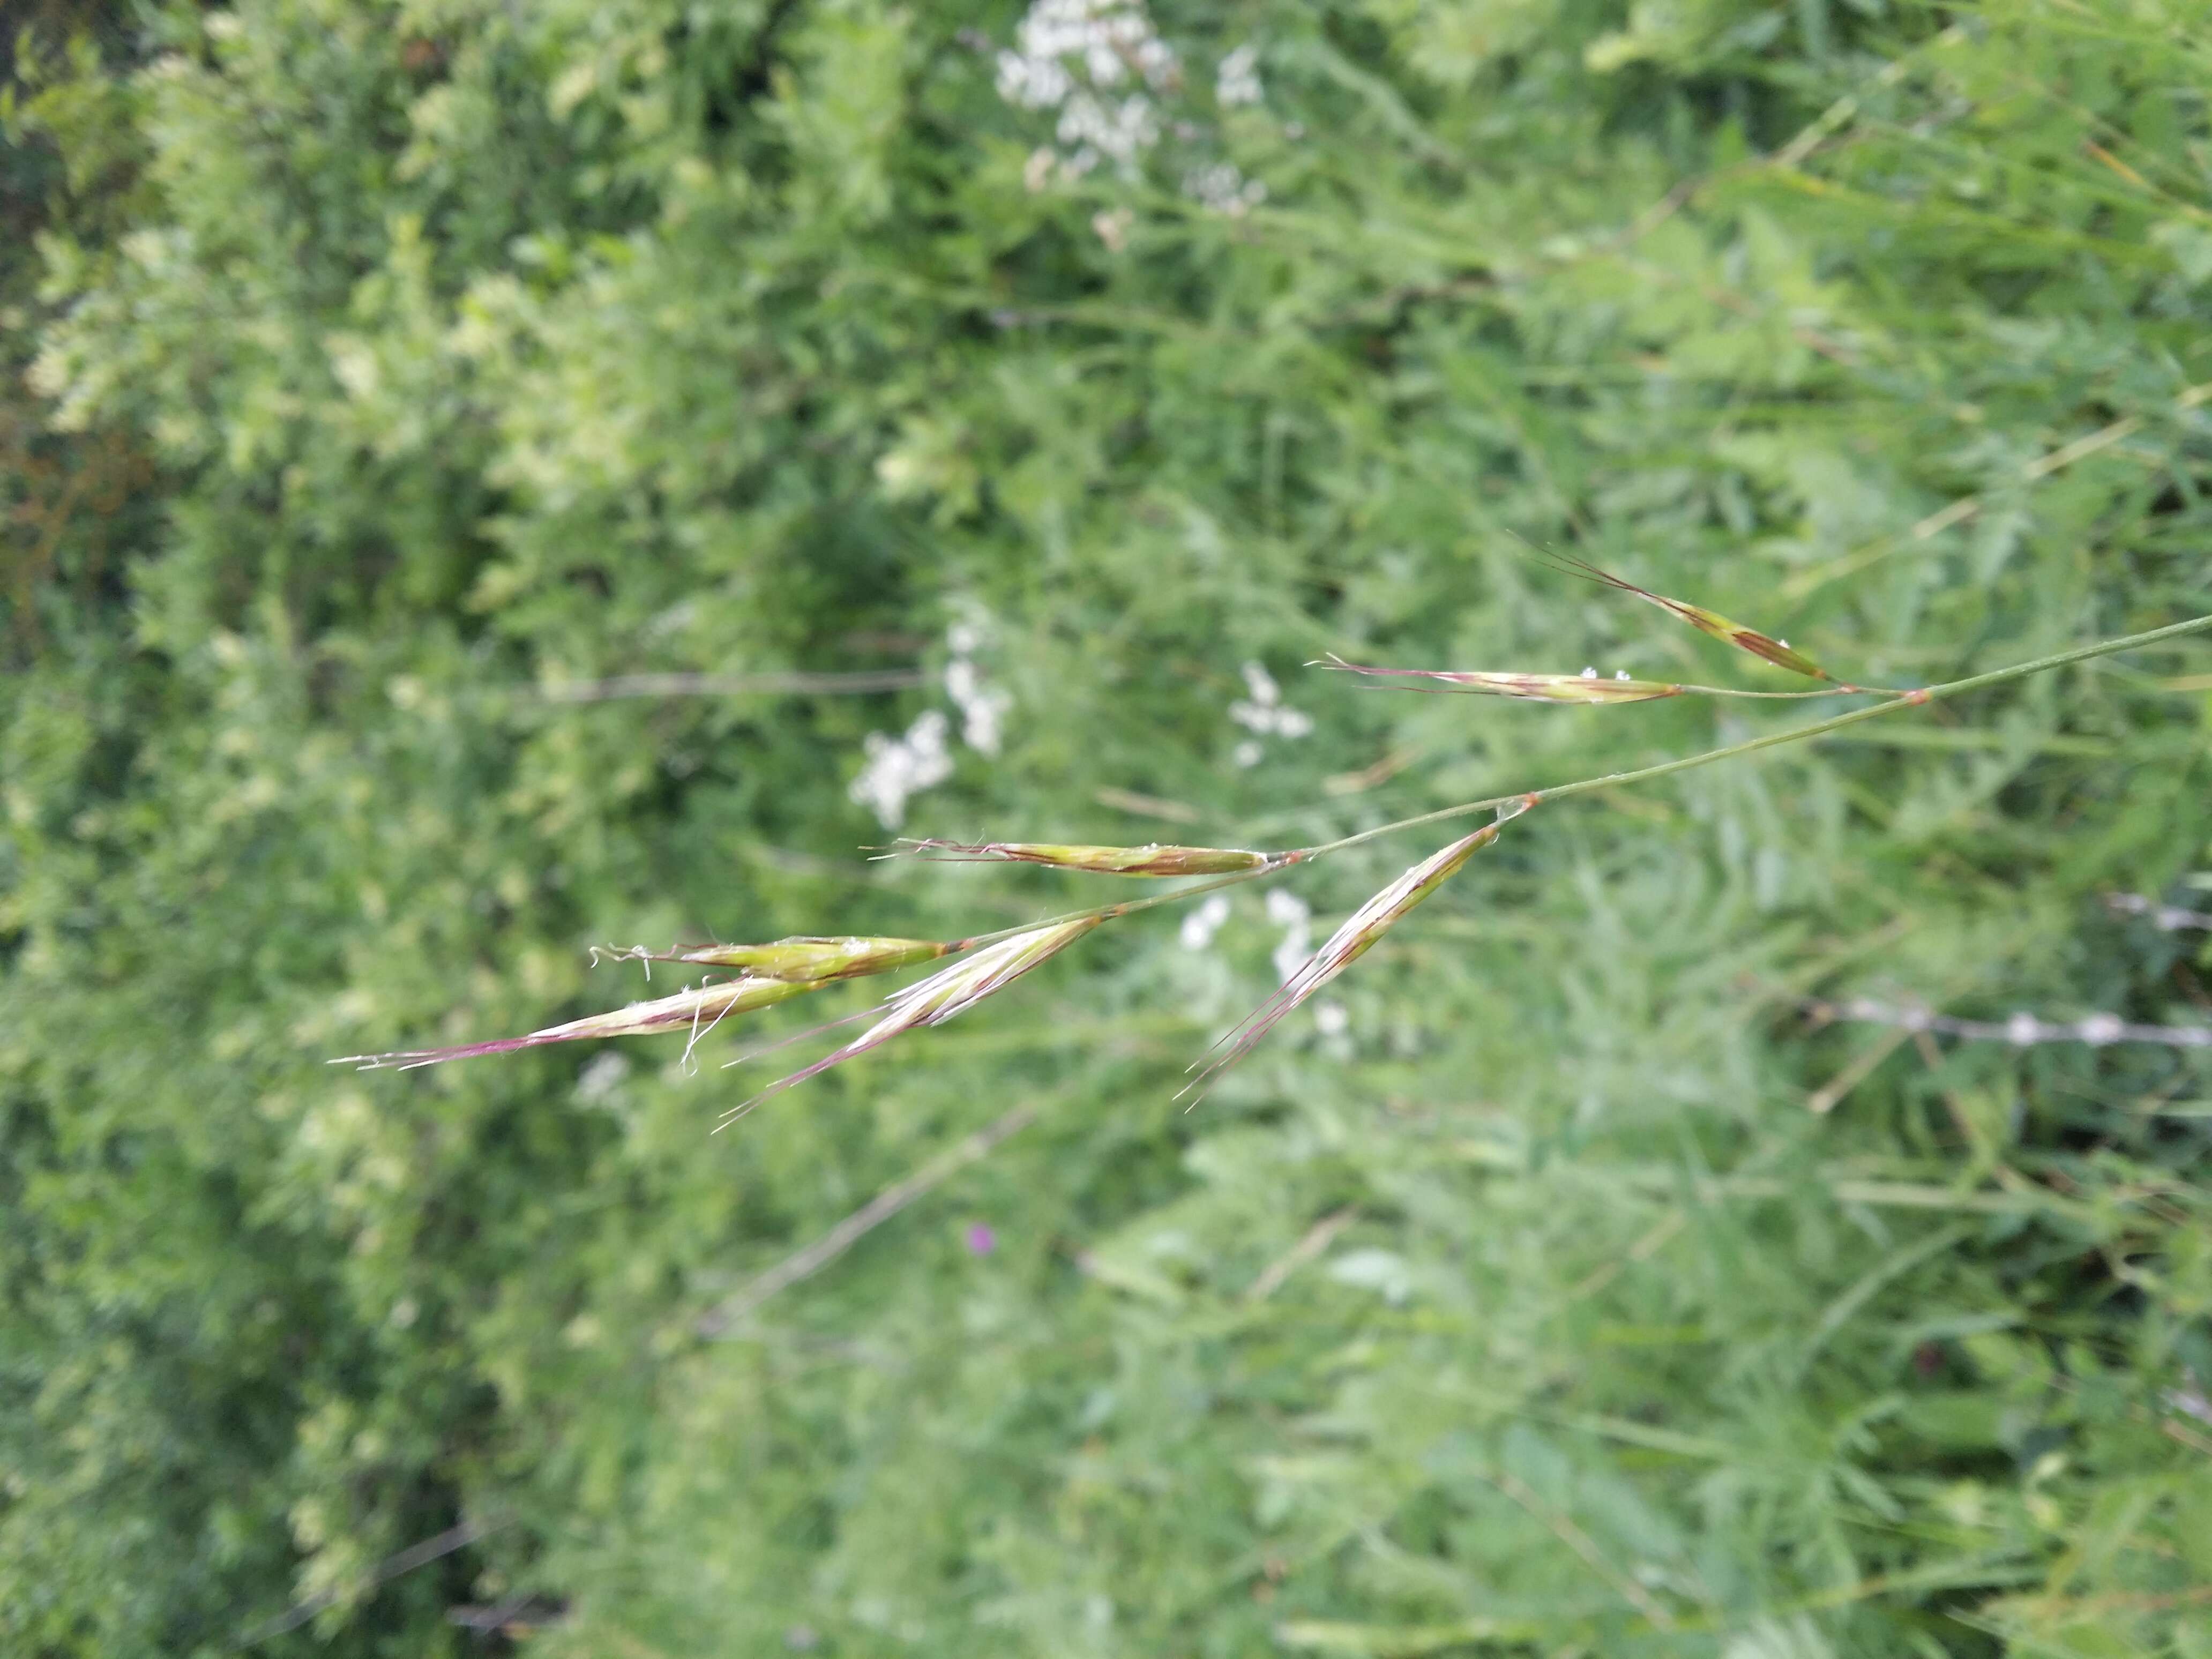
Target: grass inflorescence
point(774, 972)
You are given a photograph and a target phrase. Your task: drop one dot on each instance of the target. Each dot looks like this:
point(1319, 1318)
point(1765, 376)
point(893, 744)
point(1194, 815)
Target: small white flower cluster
point(1199, 925)
point(602, 1075)
point(1265, 715)
point(898, 768)
point(982, 707)
point(1223, 187)
point(1075, 56)
point(1103, 67)
point(1295, 917)
point(1237, 80)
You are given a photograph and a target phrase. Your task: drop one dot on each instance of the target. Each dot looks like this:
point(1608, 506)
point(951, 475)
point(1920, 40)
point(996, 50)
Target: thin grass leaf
point(934, 1000)
point(1150, 861)
point(696, 1010)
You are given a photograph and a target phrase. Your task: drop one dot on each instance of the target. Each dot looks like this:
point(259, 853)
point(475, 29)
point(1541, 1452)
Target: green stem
point(1614, 780)
point(1795, 734)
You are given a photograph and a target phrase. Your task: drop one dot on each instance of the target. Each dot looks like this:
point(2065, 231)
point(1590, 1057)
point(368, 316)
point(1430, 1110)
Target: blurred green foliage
point(385, 365)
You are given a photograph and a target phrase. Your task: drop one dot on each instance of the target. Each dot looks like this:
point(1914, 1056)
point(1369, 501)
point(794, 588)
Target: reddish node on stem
point(1916, 696)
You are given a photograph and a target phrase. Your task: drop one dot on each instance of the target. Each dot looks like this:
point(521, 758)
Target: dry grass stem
point(2168, 918)
point(1315, 1239)
point(2021, 1030)
point(805, 1263)
point(858, 682)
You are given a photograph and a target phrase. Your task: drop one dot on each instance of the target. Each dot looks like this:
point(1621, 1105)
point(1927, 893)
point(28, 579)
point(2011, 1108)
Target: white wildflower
point(1075, 56)
point(1199, 925)
point(601, 1076)
point(897, 768)
point(1222, 187)
point(982, 707)
point(1237, 80)
point(1265, 712)
point(1295, 917)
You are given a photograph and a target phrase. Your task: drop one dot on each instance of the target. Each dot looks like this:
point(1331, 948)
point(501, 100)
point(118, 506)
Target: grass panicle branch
point(774, 972)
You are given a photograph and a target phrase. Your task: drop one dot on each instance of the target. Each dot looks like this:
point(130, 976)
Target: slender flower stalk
point(803, 960)
point(694, 1011)
point(948, 992)
point(1151, 860)
point(1346, 946)
point(1890, 705)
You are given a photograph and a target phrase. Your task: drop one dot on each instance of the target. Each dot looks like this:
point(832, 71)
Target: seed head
point(1778, 652)
point(949, 991)
point(1101, 860)
point(694, 1011)
point(1345, 947)
point(1582, 687)
point(804, 959)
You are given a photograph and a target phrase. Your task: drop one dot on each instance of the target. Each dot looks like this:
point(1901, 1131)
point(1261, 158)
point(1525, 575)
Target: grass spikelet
point(1728, 631)
point(804, 959)
point(1344, 946)
point(696, 1011)
point(1153, 860)
point(1584, 687)
point(934, 1000)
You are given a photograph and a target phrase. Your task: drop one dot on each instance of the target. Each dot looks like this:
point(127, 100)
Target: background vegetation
point(381, 371)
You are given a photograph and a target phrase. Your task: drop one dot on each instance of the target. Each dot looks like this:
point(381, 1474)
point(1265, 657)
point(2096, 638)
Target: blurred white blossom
point(982, 707)
point(1265, 714)
point(1114, 83)
point(1076, 57)
point(601, 1076)
point(1223, 188)
point(1199, 925)
point(897, 768)
point(1295, 917)
point(1237, 80)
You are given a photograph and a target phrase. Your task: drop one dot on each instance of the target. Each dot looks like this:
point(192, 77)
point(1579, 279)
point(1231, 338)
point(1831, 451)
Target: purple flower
point(982, 1241)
